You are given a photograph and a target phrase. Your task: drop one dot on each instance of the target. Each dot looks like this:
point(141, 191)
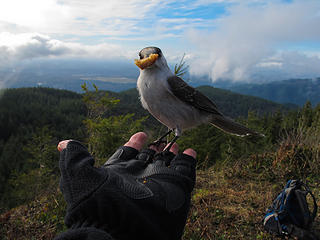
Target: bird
point(176, 104)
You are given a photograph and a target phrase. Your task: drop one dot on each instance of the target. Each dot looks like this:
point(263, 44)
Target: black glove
point(135, 195)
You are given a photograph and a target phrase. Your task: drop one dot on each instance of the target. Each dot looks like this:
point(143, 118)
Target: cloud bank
point(253, 40)
point(16, 47)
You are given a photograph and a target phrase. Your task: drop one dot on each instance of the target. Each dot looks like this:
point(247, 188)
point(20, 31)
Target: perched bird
point(173, 102)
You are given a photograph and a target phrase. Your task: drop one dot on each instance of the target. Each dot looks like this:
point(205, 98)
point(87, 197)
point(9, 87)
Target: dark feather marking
point(191, 96)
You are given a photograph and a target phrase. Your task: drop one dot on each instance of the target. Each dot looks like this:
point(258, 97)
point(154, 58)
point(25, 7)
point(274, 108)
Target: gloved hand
point(134, 195)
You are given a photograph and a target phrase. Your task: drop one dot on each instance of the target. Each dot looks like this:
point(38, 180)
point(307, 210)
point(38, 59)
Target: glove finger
point(146, 155)
point(185, 165)
point(168, 156)
point(123, 153)
point(129, 150)
point(163, 158)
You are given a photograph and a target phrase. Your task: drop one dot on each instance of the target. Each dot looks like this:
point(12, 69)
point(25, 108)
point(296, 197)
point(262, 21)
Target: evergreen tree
point(106, 134)
point(40, 173)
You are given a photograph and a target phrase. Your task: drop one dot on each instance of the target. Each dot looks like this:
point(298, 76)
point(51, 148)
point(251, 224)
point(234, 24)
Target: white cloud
point(15, 47)
point(80, 17)
point(22, 46)
point(269, 64)
point(249, 35)
point(33, 14)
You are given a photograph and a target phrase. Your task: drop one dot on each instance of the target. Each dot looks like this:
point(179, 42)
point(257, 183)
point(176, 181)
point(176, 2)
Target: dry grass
point(225, 207)
point(39, 220)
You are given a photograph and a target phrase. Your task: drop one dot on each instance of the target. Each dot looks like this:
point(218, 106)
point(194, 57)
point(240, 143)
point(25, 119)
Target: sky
point(237, 40)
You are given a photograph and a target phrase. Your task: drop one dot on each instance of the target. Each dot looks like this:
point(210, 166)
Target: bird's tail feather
point(228, 125)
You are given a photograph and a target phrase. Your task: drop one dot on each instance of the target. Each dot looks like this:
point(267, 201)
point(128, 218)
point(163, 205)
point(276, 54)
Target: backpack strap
point(315, 206)
point(301, 217)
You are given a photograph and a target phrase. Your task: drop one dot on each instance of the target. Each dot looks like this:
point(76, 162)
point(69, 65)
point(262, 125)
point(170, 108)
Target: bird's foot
point(160, 140)
point(157, 143)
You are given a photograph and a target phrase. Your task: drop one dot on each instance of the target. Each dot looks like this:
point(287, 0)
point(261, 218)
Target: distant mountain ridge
point(296, 91)
point(119, 76)
point(229, 103)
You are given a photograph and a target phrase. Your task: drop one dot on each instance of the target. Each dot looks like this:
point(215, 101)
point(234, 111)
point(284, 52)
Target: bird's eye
point(140, 56)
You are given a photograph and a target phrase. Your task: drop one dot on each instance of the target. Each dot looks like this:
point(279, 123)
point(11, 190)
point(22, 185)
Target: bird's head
point(151, 57)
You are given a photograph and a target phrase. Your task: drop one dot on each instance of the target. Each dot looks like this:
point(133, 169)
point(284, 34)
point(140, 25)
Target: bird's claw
point(157, 143)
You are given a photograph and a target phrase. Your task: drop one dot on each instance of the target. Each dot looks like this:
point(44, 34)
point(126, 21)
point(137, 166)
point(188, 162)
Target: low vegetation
point(237, 178)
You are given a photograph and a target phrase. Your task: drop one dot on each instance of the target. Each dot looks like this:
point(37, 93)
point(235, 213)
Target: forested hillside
point(28, 115)
point(33, 120)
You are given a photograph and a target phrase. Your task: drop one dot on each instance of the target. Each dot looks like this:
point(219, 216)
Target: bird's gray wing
point(195, 98)
point(191, 96)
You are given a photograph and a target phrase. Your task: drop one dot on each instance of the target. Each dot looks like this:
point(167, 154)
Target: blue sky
point(223, 39)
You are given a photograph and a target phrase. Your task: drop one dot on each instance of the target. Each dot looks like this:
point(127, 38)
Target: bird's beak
point(146, 62)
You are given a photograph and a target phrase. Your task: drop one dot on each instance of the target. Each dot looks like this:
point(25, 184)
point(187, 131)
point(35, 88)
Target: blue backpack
point(289, 214)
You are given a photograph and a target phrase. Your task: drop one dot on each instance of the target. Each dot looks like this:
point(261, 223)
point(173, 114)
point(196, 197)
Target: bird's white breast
point(153, 88)
point(156, 97)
